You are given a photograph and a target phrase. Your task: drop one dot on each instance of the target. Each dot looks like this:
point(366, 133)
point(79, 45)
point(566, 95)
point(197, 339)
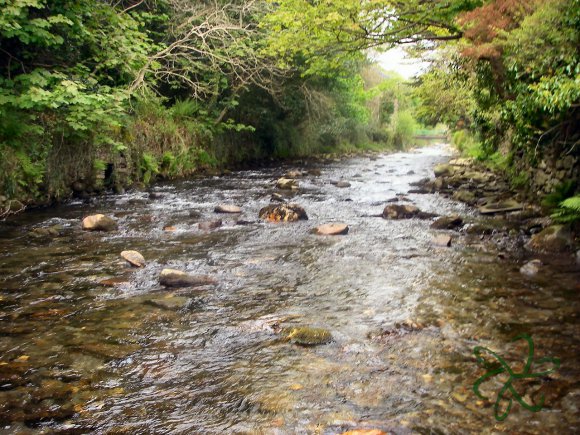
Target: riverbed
point(90, 345)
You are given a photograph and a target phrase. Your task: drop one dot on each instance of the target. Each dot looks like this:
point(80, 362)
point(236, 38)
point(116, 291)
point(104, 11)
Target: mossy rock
point(307, 336)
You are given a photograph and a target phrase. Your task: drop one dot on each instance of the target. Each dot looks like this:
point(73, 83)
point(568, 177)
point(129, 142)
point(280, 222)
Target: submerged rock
point(177, 278)
point(171, 302)
point(333, 229)
point(99, 222)
point(134, 258)
point(307, 336)
point(405, 211)
point(447, 223)
point(442, 240)
point(531, 268)
point(287, 183)
point(555, 238)
point(52, 231)
point(227, 208)
point(283, 213)
point(293, 174)
point(210, 225)
point(364, 432)
point(342, 184)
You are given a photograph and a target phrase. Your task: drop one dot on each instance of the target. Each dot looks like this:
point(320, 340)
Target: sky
point(395, 60)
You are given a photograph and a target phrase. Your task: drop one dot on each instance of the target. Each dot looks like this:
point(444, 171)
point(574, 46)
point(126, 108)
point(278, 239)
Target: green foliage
point(560, 193)
point(568, 211)
point(149, 167)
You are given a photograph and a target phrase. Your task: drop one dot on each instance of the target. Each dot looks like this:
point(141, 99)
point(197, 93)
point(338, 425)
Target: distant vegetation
point(102, 95)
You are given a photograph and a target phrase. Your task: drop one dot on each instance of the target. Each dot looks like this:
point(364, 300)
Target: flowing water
point(77, 356)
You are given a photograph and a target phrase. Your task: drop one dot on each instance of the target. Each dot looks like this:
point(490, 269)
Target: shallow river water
point(77, 356)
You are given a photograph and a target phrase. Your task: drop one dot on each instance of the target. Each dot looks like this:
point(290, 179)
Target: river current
point(90, 345)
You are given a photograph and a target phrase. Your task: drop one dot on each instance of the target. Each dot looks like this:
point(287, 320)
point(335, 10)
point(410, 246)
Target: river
point(77, 356)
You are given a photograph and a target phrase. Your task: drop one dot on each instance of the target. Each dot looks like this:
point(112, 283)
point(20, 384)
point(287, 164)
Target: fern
point(568, 210)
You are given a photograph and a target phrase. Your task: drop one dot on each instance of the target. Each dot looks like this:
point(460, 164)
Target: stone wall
point(552, 169)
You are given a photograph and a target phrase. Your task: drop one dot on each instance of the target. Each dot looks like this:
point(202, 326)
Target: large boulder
point(505, 206)
point(177, 278)
point(405, 211)
point(555, 238)
point(283, 213)
point(99, 222)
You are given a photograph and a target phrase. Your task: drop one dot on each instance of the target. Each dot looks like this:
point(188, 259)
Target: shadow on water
point(134, 357)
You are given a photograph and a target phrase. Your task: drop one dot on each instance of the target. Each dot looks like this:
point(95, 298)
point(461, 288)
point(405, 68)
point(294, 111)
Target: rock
point(501, 207)
point(476, 177)
point(342, 184)
point(293, 174)
point(283, 213)
point(405, 211)
point(99, 222)
point(461, 162)
point(227, 208)
point(315, 172)
point(119, 281)
point(364, 432)
point(555, 238)
point(287, 184)
point(400, 211)
point(531, 268)
point(210, 225)
point(442, 240)
point(169, 228)
point(14, 206)
point(331, 229)
point(171, 302)
point(464, 196)
point(443, 170)
point(134, 258)
point(177, 278)
point(411, 172)
point(53, 231)
point(307, 336)
point(156, 195)
point(447, 223)
point(276, 197)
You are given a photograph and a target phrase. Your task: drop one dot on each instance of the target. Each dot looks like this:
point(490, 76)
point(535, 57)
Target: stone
point(119, 281)
point(178, 278)
point(400, 211)
point(307, 336)
point(333, 229)
point(99, 222)
point(464, 196)
point(364, 432)
point(283, 213)
point(210, 225)
point(315, 172)
point(342, 184)
point(276, 197)
point(287, 184)
point(461, 162)
point(227, 208)
point(405, 211)
point(443, 170)
point(555, 238)
point(134, 258)
point(447, 223)
point(171, 302)
point(505, 206)
point(531, 268)
point(442, 240)
point(293, 174)
point(52, 231)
